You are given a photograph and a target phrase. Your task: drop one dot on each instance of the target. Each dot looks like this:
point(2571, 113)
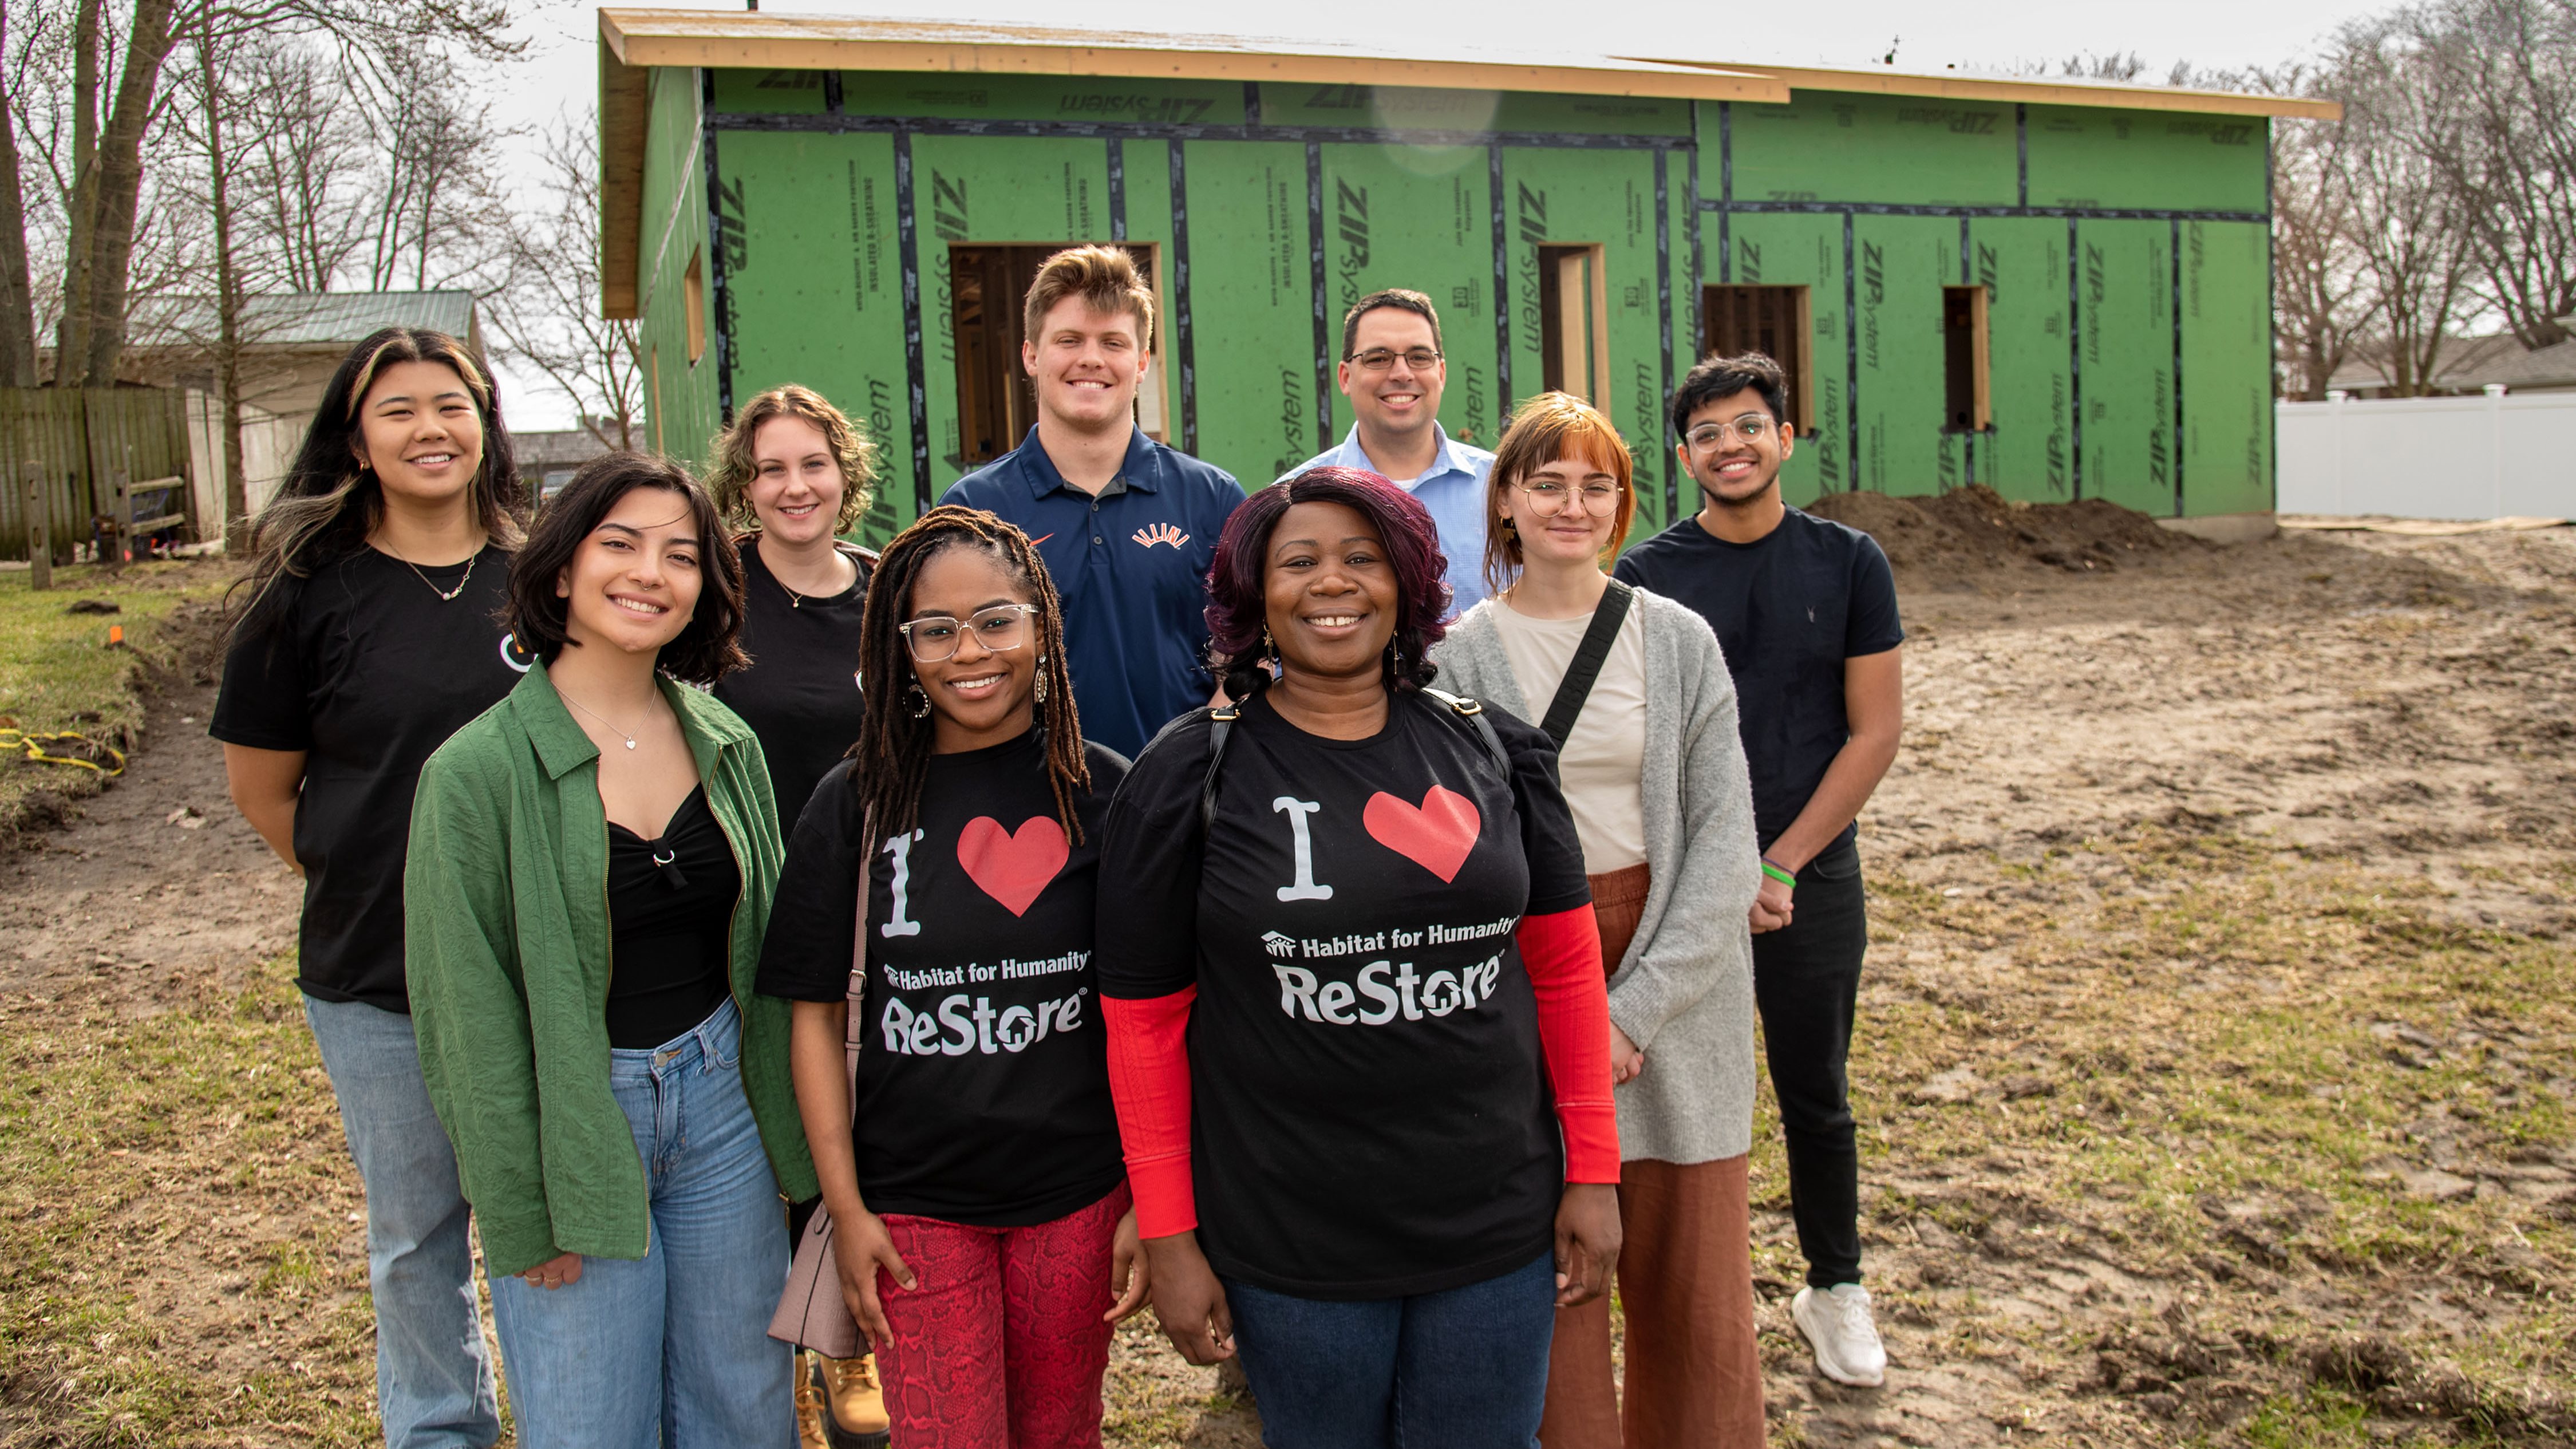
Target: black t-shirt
point(670, 923)
point(363, 668)
point(1371, 1116)
point(801, 693)
point(983, 1076)
point(1788, 610)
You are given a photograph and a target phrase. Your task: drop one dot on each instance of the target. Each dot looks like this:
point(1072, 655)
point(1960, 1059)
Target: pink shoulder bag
point(812, 1313)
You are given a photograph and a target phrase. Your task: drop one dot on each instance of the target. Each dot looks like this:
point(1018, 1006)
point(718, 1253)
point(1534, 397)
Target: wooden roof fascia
point(2100, 94)
point(749, 40)
point(625, 108)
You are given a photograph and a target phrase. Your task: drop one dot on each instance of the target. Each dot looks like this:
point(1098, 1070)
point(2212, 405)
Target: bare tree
point(305, 166)
point(439, 199)
point(548, 315)
point(2320, 301)
point(2410, 241)
point(17, 296)
point(2500, 133)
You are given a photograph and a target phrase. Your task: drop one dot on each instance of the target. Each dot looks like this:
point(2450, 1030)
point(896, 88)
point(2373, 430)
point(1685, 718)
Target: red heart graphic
point(1012, 868)
point(1438, 835)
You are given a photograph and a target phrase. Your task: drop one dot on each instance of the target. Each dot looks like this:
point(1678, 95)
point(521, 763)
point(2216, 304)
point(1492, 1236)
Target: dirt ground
point(2216, 1077)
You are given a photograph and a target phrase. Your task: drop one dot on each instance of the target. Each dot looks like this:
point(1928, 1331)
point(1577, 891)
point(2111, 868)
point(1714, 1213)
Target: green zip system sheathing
point(2124, 255)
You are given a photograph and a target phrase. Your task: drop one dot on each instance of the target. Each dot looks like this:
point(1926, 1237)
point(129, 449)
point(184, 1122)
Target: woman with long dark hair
point(980, 1213)
point(1664, 809)
point(364, 637)
point(592, 863)
point(1357, 1028)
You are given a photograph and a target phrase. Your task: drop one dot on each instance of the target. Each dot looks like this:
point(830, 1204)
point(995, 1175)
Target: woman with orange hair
point(1656, 780)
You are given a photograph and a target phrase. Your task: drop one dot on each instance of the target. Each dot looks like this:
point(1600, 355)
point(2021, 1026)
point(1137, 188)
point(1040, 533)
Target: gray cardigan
point(1684, 992)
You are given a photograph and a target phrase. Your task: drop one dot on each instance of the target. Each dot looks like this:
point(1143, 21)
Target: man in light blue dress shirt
point(1393, 373)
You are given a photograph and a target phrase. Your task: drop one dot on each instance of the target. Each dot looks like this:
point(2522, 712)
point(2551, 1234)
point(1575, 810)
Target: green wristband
point(1776, 873)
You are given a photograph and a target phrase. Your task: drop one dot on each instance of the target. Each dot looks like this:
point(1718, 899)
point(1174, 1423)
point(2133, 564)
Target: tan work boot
point(809, 1409)
point(858, 1417)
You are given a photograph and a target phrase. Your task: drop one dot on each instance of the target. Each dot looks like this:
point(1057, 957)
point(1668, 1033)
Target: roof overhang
point(2054, 91)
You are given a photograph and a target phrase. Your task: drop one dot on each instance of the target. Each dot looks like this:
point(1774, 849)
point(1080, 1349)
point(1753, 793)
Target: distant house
point(2470, 365)
point(290, 342)
point(547, 460)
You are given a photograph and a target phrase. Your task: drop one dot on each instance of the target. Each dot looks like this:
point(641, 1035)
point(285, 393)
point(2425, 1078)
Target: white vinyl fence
point(2495, 456)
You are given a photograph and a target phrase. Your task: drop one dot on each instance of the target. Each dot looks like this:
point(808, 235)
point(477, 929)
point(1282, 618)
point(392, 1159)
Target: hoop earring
point(1042, 679)
point(921, 710)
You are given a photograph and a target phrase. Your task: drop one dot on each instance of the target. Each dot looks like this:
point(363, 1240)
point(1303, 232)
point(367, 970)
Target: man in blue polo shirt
point(1127, 527)
point(1393, 373)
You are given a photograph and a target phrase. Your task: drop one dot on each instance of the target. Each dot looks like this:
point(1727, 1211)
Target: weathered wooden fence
point(81, 439)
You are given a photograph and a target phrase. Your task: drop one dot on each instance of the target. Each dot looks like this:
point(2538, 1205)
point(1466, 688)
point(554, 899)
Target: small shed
point(2057, 288)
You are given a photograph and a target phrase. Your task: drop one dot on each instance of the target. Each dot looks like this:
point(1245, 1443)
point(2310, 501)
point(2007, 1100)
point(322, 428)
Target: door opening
point(1968, 395)
point(996, 406)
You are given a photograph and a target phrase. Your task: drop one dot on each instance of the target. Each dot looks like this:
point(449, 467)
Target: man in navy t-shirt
point(1805, 610)
point(1127, 526)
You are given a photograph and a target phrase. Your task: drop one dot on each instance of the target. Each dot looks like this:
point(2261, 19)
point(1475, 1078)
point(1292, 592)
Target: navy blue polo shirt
point(1131, 566)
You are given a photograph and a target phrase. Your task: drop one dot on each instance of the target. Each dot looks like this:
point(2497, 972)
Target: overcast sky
point(560, 74)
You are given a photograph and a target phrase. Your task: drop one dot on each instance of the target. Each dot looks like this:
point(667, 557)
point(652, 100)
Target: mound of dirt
point(1972, 530)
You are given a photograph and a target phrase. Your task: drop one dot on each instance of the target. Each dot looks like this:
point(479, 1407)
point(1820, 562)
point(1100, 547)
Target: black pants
point(1806, 979)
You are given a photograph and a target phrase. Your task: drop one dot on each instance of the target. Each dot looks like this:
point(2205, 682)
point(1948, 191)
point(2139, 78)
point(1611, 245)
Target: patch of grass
point(57, 673)
point(177, 1264)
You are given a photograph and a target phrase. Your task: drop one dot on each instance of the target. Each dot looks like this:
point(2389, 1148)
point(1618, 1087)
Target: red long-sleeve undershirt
point(1149, 1070)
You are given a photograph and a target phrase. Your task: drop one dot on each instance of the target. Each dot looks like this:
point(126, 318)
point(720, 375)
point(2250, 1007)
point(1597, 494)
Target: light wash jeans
point(433, 1380)
point(674, 1347)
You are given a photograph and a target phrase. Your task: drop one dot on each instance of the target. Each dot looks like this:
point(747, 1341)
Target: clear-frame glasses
point(1379, 359)
point(1548, 497)
point(934, 637)
point(1752, 428)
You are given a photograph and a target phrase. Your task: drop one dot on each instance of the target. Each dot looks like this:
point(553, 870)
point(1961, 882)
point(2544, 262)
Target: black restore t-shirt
point(1370, 1111)
point(363, 668)
point(1788, 609)
point(801, 694)
point(983, 1077)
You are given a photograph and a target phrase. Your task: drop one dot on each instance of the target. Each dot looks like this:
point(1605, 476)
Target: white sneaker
point(1838, 1326)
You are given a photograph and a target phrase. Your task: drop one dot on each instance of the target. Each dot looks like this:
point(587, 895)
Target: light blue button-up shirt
point(1452, 488)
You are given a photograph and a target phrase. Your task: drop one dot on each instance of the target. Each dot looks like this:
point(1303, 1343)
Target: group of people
point(1336, 916)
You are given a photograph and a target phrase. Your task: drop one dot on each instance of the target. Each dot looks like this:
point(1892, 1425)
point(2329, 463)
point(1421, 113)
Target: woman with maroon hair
point(1357, 1029)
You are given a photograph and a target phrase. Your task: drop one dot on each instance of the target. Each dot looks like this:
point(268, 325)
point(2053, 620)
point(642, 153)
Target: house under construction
point(2057, 288)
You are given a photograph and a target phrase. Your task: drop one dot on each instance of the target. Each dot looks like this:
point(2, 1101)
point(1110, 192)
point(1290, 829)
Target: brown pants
point(1685, 1284)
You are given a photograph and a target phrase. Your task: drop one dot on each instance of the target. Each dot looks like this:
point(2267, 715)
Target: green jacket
point(505, 927)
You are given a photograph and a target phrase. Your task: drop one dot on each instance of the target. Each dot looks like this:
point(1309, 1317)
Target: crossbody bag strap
point(857, 1024)
point(1585, 667)
point(1220, 725)
point(1473, 714)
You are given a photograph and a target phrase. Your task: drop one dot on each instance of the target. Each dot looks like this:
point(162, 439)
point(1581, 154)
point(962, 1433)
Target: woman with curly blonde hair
point(795, 471)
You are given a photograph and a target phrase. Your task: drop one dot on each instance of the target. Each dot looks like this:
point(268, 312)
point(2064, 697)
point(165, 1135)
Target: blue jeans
point(1462, 1369)
point(433, 1381)
point(673, 1347)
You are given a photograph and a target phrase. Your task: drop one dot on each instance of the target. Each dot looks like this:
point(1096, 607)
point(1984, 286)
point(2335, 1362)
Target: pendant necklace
point(445, 596)
point(595, 714)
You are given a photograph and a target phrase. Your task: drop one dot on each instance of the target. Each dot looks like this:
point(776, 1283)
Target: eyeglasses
point(1548, 497)
point(1752, 428)
point(934, 637)
point(1379, 359)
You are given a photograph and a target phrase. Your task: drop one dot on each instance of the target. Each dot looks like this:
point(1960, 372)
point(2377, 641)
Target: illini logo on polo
point(1160, 533)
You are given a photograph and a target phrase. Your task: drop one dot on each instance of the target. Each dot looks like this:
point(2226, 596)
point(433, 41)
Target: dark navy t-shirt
point(1131, 566)
point(1788, 610)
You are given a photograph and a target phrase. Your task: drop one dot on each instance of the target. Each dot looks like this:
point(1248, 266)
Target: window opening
point(996, 403)
point(1969, 397)
point(1775, 321)
point(1573, 321)
point(693, 301)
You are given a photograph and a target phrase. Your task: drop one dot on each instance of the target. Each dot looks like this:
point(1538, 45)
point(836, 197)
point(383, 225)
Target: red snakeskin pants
point(1000, 1345)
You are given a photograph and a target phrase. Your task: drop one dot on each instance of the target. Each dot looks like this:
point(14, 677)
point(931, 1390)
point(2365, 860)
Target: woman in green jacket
point(592, 864)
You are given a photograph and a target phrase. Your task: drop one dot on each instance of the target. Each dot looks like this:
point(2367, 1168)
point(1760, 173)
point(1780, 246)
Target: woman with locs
point(365, 639)
point(980, 1216)
point(1356, 1016)
point(1635, 690)
point(592, 866)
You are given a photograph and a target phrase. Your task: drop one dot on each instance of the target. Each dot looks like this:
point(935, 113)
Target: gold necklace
point(445, 596)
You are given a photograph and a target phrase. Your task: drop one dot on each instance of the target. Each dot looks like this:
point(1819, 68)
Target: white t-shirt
point(1606, 752)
